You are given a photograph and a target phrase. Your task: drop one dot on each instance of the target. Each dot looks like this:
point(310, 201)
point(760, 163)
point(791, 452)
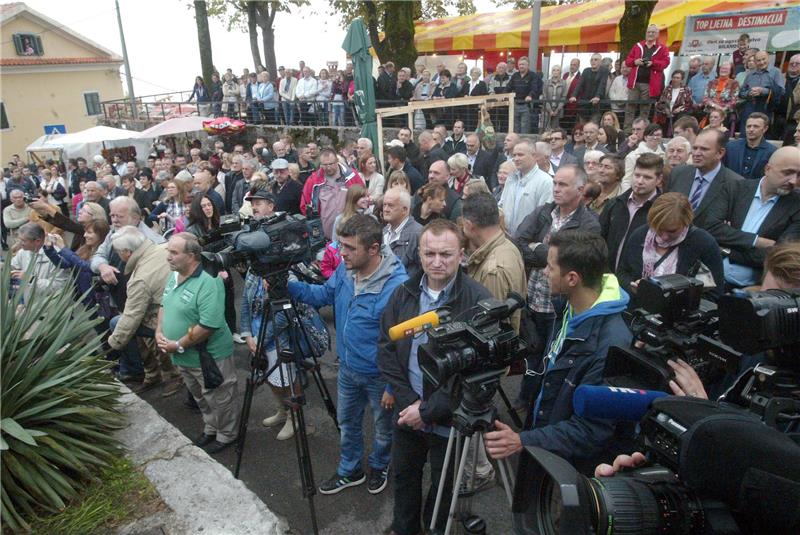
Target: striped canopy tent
point(588, 27)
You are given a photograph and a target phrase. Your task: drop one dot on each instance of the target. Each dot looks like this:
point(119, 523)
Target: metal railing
point(152, 109)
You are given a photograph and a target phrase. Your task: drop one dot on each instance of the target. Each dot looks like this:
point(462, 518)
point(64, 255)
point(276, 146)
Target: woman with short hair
point(670, 244)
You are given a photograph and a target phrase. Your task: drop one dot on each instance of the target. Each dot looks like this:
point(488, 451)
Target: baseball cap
point(395, 143)
point(260, 193)
point(279, 163)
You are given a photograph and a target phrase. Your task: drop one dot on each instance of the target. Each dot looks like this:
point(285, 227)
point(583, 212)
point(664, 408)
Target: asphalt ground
point(270, 468)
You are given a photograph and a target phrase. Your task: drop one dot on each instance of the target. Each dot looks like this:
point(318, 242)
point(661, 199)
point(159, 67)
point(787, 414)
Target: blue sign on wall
point(54, 129)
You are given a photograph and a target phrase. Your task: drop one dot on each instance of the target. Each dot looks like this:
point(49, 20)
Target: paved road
point(270, 469)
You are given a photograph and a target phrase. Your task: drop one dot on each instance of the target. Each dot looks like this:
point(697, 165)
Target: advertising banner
point(718, 33)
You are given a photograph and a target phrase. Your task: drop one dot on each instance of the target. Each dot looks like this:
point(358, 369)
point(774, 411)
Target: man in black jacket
point(706, 181)
point(397, 159)
point(480, 161)
point(627, 212)
point(430, 152)
point(765, 212)
point(412, 151)
point(591, 88)
point(385, 88)
point(527, 88)
point(233, 176)
point(422, 416)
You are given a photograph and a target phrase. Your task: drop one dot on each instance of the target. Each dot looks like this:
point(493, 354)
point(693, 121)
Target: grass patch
point(120, 495)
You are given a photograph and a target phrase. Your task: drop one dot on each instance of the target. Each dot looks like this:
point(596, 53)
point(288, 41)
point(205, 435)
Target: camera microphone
point(415, 325)
point(613, 403)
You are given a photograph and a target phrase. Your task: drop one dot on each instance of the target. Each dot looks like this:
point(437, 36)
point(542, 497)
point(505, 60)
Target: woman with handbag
point(670, 244)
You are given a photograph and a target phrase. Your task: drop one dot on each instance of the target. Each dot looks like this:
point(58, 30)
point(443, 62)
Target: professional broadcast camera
point(265, 245)
point(715, 468)
point(674, 321)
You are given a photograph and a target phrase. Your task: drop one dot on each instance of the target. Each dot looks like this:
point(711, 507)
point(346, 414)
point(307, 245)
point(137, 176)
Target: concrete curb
point(203, 495)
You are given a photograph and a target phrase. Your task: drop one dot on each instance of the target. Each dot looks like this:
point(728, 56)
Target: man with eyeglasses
point(558, 156)
point(324, 192)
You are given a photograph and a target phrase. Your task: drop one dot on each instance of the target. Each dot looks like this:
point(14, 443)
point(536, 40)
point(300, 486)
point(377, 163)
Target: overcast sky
point(161, 37)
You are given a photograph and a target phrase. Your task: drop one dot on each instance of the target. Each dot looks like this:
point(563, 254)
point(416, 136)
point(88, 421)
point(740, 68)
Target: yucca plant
point(58, 404)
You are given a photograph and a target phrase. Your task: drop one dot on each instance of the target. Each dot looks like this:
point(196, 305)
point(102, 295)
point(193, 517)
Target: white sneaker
point(238, 338)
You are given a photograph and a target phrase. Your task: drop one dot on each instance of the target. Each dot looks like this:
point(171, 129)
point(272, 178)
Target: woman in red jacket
point(647, 60)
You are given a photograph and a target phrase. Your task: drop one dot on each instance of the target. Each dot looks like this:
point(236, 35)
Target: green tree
point(634, 22)
point(204, 41)
point(249, 16)
point(396, 20)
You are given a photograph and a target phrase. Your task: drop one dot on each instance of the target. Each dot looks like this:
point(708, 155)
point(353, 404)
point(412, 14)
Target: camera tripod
point(475, 414)
point(291, 356)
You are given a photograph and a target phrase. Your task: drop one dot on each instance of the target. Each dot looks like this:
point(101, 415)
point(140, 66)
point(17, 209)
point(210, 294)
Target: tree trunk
point(398, 44)
point(204, 40)
point(372, 28)
point(634, 22)
point(252, 33)
point(265, 19)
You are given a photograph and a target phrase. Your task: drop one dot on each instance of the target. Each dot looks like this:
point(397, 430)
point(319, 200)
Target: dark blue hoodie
point(582, 441)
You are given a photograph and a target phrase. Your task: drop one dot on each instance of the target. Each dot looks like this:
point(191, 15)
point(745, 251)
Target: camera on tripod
point(674, 321)
point(265, 245)
point(729, 467)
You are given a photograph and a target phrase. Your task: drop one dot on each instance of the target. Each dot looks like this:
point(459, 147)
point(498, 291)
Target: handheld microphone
point(414, 326)
point(613, 403)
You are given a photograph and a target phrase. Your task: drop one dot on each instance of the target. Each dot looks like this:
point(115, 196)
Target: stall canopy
point(96, 134)
point(587, 27)
point(171, 127)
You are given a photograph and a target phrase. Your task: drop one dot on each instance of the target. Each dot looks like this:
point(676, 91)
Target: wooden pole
point(380, 138)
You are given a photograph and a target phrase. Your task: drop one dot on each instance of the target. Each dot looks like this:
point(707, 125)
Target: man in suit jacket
point(590, 132)
point(480, 161)
point(559, 156)
point(764, 212)
point(749, 156)
point(591, 88)
point(706, 181)
point(430, 152)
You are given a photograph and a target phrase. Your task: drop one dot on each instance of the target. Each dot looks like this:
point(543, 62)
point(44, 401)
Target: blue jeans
point(130, 361)
point(354, 392)
point(288, 112)
point(522, 118)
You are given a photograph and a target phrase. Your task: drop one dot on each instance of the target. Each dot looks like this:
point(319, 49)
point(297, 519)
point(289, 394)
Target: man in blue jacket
point(359, 290)
point(588, 322)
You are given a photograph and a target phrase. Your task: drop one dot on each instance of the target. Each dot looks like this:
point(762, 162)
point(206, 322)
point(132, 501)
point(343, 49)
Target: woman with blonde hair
point(368, 166)
point(670, 244)
point(356, 201)
point(398, 179)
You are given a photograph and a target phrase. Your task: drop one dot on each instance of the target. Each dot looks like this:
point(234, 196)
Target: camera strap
point(664, 257)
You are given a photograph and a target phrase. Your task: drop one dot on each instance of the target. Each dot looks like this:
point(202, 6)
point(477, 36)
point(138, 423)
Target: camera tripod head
point(476, 411)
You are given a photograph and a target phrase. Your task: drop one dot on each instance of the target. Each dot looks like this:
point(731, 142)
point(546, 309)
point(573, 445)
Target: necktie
point(698, 192)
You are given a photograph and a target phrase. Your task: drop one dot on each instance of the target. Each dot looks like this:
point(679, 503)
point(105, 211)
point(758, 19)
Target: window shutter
point(38, 45)
point(18, 44)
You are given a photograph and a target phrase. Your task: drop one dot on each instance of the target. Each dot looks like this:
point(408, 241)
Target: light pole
point(131, 96)
point(533, 45)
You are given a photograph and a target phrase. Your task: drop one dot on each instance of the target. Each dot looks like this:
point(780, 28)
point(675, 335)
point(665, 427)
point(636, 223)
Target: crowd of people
point(719, 91)
point(574, 222)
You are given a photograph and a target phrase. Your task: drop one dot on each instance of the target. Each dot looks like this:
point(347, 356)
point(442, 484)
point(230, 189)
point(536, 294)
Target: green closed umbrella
point(357, 45)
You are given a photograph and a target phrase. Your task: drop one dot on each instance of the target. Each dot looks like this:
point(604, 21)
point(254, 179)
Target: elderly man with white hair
point(243, 186)
point(679, 150)
point(146, 270)
point(363, 147)
point(543, 152)
point(402, 231)
point(47, 278)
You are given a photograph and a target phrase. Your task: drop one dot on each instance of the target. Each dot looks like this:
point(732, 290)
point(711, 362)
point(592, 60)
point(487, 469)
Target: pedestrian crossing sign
point(54, 129)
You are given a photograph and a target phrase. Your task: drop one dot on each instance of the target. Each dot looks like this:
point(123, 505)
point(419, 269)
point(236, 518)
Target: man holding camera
point(647, 59)
point(588, 322)
point(359, 290)
point(422, 418)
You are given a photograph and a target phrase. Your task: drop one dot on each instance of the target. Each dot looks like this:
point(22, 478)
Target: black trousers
point(410, 451)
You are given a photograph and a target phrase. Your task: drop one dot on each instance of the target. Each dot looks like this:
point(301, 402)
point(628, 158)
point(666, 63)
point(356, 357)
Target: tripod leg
point(440, 490)
point(511, 412)
point(456, 486)
point(244, 416)
point(505, 470)
point(325, 394)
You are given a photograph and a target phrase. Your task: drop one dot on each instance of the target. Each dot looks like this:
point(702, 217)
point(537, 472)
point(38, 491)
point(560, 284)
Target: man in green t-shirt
point(192, 315)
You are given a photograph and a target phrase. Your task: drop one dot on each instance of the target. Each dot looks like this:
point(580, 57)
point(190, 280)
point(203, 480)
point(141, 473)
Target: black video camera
point(674, 321)
point(483, 343)
point(265, 245)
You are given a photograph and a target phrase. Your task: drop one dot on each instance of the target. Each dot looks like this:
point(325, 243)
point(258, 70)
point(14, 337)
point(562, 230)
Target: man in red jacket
point(647, 59)
point(324, 192)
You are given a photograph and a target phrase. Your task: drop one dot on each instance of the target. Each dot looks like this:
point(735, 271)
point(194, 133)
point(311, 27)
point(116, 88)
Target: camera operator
point(589, 321)
point(422, 419)
point(359, 290)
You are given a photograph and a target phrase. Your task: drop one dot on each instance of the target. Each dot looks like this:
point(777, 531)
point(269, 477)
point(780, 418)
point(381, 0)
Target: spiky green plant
point(57, 403)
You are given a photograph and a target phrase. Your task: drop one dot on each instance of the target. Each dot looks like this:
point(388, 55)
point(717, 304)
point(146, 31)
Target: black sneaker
point(377, 480)
point(338, 483)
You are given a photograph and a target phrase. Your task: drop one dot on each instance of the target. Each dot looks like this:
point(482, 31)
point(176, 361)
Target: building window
point(92, 101)
point(3, 117)
point(28, 44)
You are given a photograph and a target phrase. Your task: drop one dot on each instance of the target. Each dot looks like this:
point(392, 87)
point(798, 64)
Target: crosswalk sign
point(54, 129)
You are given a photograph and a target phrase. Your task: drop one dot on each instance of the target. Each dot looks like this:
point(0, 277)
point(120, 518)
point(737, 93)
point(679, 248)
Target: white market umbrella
point(96, 134)
point(180, 125)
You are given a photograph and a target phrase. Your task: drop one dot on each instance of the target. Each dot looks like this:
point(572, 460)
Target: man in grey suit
point(706, 181)
point(402, 231)
point(558, 156)
point(765, 212)
point(590, 131)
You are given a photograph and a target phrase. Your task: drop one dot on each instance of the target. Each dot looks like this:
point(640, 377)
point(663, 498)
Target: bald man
point(765, 212)
point(761, 87)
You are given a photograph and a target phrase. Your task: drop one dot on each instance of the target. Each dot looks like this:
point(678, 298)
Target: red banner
point(740, 22)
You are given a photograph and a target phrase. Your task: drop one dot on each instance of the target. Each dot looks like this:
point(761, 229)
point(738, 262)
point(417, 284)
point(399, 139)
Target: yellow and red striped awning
point(588, 27)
